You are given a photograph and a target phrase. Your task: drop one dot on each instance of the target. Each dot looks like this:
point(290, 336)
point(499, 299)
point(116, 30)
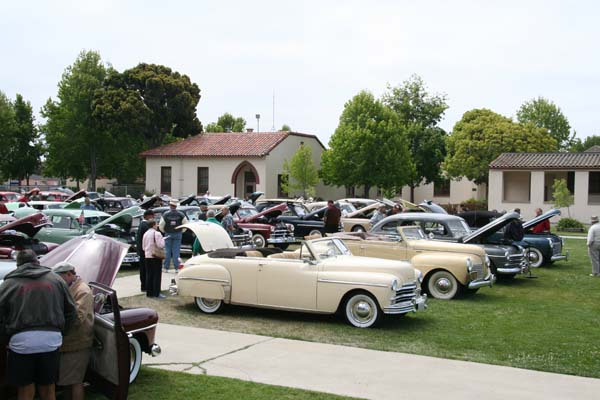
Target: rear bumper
point(489, 281)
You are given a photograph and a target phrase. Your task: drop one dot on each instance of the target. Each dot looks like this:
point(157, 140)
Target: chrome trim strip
point(204, 279)
point(353, 283)
point(142, 329)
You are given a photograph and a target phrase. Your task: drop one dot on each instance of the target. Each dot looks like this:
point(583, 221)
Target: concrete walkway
point(347, 370)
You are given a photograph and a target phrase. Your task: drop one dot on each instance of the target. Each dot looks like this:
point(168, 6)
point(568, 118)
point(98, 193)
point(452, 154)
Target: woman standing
point(153, 245)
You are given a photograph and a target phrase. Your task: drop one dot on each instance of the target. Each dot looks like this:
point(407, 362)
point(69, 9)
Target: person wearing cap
point(593, 243)
point(168, 224)
point(148, 215)
point(35, 309)
point(77, 343)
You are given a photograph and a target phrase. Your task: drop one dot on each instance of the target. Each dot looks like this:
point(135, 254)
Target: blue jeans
point(172, 249)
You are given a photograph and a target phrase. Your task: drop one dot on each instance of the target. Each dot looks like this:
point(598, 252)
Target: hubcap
point(131, 357)
point(362, 311)
point(210, 303)
point(443, 285)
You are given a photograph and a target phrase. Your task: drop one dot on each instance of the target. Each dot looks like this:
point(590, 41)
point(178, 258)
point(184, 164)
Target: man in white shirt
point(593, 243)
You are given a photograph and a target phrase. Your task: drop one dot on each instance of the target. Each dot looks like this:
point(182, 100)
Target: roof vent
point(249, 130)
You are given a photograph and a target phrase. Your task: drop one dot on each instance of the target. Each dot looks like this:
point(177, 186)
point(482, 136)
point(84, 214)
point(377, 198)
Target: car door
point(63, 228)
point(287, 283)
point(108, 369)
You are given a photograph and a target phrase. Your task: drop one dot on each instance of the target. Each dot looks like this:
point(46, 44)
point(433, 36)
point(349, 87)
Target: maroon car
point(20, 234)
point(264, 225)
point(121, 335)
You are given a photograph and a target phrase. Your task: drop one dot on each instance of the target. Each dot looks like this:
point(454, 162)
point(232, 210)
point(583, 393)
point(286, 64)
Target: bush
point(474, 205)
point(569, 224)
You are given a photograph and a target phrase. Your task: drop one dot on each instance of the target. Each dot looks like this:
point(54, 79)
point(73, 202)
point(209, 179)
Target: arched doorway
point(244, 178)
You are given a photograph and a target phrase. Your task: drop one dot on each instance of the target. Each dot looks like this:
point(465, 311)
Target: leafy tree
point(300, 173)
point(561, 195)
point(590, 141)
point(164, 100)
point(7, 132)
point(419, 113)
point(75, 140)
point(482, 135)
point(285, 128)
point(227, 123)
point(23, 151)
point(368, 148)
point(543, 113)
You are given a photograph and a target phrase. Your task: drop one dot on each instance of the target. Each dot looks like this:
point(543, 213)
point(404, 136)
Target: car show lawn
point(549, 323)
point(162, 385)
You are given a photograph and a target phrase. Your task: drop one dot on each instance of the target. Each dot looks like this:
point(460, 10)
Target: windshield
point(11, 196)
point(192, 215)
point(459, 228)
point(413, 233)
point(246, 212)
point(329, 248)
point(346, 208)
point(299, 210)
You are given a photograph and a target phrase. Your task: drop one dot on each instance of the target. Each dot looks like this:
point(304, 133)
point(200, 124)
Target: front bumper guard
point(560, 257)
point(489, 281)
point(173, 291)
point(418, 304)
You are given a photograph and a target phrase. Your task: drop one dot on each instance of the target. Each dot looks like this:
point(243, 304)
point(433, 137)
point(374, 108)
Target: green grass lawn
point(551, 323)
point(161, 385)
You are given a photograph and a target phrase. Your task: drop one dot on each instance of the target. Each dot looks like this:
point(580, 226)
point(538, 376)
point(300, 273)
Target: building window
point(249, 182)
point(165, 180)
point(441, 188)
point(281, 178)
point(350, 191)
point(594, 187)
point(516, 186)
point(551, 176)
point(202, 180)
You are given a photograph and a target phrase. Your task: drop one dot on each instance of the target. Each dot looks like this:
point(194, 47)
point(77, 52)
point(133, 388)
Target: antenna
point(273, 128)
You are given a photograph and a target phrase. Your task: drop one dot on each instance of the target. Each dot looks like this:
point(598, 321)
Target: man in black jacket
point(148, 215)
point(35, 309)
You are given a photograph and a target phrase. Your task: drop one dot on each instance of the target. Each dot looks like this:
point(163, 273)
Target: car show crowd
point(414, 251)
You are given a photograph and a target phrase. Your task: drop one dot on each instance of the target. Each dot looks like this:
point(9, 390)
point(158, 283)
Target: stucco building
point(524, 180)
point(229, 163)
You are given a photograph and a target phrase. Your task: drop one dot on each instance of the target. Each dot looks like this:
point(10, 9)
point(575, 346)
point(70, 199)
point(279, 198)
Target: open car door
point(108, 370)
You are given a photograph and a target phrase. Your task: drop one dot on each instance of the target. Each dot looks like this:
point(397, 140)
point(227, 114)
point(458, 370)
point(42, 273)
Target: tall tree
point(301, 173)
point(585, 144)
point(482, 135)
point(76, 141)
point(7, 131)
point(227, 123)
point(420, 113)
point(24, 152)
point(543, 113)
point(368, 148)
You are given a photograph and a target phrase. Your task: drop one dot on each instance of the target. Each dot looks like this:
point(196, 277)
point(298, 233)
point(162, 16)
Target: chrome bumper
point(560, 257)
point(489, 281)
point(511, 270)
point(291, 239)
point(131, 258)
point(418, 304)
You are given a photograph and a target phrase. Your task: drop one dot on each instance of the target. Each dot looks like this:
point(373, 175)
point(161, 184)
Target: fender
point(455, 263)
point(211, 281)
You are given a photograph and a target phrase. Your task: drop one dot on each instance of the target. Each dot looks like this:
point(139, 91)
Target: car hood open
point(29, 225)
point(430, 206)
point(491, 228)
point(211, 236)
point(96, 258)
point(269, 213)
point(547, 215)
point(122, 219)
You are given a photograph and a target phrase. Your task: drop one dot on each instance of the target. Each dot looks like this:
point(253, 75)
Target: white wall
point(460, 190)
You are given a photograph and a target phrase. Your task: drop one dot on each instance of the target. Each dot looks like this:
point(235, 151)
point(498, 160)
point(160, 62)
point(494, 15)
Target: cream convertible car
point(321, 277)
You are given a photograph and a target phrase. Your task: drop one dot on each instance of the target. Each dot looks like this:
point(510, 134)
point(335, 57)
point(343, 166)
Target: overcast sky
point(316, 55)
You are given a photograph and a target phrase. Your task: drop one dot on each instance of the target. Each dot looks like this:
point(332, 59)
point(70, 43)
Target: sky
point(314, 56)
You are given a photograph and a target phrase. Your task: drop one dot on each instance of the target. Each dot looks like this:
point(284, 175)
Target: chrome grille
point(478, 269)
point(407, 292)
point(556, 248)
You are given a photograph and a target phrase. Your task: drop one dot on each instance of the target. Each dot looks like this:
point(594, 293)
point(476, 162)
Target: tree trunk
point(366, 193)
point(412, 194)
point(93, 170)
point(27, 178)
point(77, 181)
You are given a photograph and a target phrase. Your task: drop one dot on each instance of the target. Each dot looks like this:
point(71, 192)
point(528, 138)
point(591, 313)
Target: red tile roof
point(586, 160)
point(228, 144)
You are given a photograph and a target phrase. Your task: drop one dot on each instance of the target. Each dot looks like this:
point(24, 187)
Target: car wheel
point(259, 240)
point(315, 232)
point(282, 246)
point(442, 285)
point(135, 358)
point(535, 257)
point(362, 310)
point(208, 306)
point(358, 228)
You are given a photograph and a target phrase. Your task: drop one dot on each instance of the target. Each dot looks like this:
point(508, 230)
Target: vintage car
point(344, 206)
point(358, 202)
point(9, 197)
point(122, 335)
point(305, 223)
point(114, 205)
point(449, 269)
point(360, 220)
point(321, 277)
point(507, 259)
point(20, 234)
point(542, 248)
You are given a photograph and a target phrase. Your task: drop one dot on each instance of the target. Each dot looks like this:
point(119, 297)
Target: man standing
point(543, 226)
point(77, 343)
point(332, 218)
point(35, 308)
point(227, 221)
point(87, 204)
point(514, 230)
point(593, 243)
point(203, 210)
point(169, 221)
point(378, 215)
point(148, 215)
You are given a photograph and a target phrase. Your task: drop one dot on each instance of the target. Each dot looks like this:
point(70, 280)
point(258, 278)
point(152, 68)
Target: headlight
point(487, 261)
point(469, 263)
point(419, 275)
point(506, 253)
point(395, 285)
point(13, 255)
point(550, 242)
point(290, 227)
point(272, 228)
